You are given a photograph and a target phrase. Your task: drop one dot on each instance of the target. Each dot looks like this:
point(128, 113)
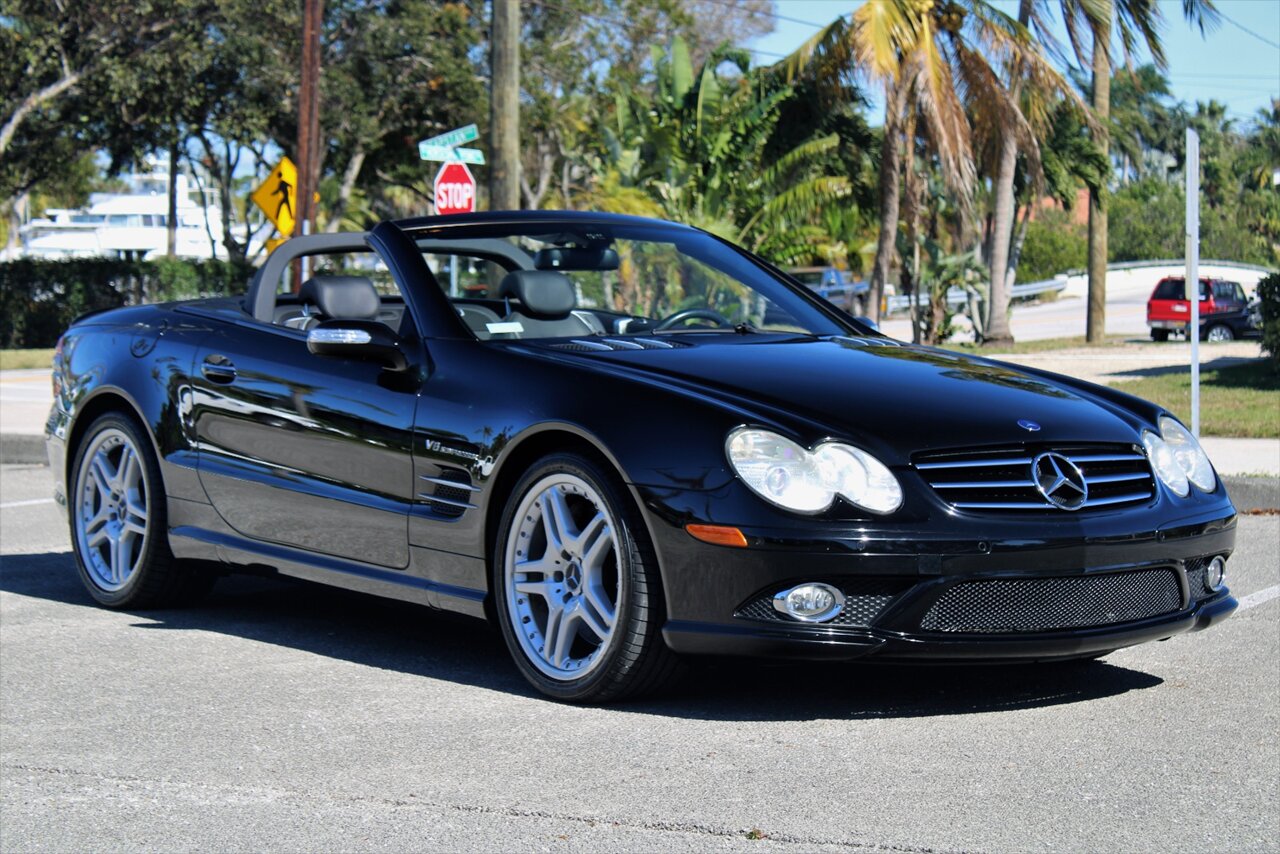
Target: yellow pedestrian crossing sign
point(278, 196)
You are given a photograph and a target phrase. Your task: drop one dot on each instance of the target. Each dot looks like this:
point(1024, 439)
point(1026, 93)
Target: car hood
point(893, 397)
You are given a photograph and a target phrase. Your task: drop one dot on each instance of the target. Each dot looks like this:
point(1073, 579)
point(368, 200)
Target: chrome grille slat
point(1115, 478)
point(1000, 479)
point(972, 463)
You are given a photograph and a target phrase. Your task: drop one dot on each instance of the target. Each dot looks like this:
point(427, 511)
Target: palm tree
point(1135, 21)
point(930, 57)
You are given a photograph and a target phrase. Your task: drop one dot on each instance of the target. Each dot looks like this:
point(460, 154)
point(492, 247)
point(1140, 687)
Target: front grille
point(864, 599)
point(1050, 604)
point(1002, 480)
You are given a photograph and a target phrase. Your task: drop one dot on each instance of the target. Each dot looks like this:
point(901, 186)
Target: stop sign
point(455, 189)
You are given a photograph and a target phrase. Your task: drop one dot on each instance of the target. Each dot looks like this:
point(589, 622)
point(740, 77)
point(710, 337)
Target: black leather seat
point(546, 305)
point(335, 298)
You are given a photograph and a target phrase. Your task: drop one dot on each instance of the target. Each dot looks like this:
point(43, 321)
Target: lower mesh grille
point(1049, 604)
point(863, 602)
point(1196, 570)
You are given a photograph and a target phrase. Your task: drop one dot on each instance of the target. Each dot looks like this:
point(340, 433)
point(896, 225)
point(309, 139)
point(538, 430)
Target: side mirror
point(868, 322)
point(358, 339)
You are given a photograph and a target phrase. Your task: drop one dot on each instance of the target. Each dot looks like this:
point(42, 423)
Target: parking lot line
point(1260, 597)
point(28, 503)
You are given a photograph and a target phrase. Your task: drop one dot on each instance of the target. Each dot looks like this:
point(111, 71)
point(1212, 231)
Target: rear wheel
point(576, 586)
point(119, 523)
point(1219, 332)
point(1159, 334)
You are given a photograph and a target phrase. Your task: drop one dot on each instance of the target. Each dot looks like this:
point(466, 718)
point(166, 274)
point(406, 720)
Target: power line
point(760, 13)
point(1242, 28)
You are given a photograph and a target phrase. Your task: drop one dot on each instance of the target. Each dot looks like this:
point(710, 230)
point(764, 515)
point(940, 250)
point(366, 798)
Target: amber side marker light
point(718, 535)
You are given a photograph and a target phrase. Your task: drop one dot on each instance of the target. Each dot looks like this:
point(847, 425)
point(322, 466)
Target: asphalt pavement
point(284, 716)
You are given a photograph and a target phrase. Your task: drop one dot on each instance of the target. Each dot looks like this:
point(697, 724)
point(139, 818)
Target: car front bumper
point(942, 596)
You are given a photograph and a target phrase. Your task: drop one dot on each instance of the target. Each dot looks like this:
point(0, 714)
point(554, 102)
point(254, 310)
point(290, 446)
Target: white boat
point(130, 223)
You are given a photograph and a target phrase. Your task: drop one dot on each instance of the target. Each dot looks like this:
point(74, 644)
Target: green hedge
point(1269, 294)
point(39, 298)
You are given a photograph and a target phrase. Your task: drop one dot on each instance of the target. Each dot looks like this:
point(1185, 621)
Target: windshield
point(563, 280)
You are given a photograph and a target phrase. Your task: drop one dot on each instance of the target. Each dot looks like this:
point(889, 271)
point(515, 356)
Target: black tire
point(1159, 334)
point(157, 580)
point(635, 660)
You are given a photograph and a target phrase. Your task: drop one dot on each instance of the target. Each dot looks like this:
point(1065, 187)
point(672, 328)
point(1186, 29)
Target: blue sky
point(1237, 64)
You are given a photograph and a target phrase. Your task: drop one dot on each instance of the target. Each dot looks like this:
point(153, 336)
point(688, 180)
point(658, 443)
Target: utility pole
point(171, 221)
point(504, 101)
point(308, 123)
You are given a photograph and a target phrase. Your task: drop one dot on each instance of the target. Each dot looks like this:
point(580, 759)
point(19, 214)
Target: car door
point(309, 451)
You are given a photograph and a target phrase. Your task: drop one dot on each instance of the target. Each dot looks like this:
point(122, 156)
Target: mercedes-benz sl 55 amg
point(623, 442)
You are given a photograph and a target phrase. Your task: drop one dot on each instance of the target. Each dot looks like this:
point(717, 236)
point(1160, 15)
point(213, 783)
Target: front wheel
point(576, 586)
point(119, 522)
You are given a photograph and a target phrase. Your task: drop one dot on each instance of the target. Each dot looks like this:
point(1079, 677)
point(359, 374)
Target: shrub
point(1054, 245)
point(40, 298)
point(1269, 294)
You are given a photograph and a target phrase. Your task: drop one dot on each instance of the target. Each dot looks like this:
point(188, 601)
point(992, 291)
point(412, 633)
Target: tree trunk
point(171, 221)
point(998, 331)
point(1096, 326)
point(504, 101)
point(911, 193)
point(1015, 253)
point(348, 186)
point(890, 175)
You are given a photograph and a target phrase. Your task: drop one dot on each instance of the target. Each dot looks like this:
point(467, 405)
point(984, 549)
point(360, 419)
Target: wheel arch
point(539, 442)
point(101, 401)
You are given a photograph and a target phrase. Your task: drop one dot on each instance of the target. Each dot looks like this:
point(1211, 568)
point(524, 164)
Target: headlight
point(795, 478)
point(1187, 451)
point(1166, 465)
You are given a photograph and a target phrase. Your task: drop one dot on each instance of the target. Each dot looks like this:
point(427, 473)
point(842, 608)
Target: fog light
point(810, 603)
point(1215, 576)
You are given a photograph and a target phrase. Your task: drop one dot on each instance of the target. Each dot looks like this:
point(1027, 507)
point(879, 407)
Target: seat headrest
point(542, 293)
point(342, 297)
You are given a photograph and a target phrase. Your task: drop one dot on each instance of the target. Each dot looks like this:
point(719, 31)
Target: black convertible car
point(622, 441)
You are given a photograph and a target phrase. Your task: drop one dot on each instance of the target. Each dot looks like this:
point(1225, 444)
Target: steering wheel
point(688, 314)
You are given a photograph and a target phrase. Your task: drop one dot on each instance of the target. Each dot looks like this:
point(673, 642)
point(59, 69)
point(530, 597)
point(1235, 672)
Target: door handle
point(218, 369)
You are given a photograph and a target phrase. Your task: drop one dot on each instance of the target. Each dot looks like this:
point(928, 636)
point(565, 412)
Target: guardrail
point(959, 296)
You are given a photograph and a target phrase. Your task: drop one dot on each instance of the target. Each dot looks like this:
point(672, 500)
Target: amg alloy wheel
point(577, 589)
point(119, 521)
point(110, 510)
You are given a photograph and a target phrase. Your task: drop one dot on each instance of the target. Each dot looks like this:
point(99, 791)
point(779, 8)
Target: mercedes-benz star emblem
point(1059, 481)
point(1028, 424)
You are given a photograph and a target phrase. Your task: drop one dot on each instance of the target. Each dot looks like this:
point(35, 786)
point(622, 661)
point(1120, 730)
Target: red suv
point(1224, 310)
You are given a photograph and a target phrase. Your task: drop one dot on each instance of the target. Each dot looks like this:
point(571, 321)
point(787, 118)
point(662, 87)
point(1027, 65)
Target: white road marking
point(28, 503)
point(1260, 597)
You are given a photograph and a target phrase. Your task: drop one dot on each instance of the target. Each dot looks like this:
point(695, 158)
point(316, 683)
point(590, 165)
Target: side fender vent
point(448, 493)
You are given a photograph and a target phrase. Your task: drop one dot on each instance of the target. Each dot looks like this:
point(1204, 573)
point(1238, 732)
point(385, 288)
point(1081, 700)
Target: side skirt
point(197, 543)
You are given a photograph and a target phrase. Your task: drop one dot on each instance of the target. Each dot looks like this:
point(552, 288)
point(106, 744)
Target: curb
point(1253, 493)
point(1247, 493)
point(22, 449)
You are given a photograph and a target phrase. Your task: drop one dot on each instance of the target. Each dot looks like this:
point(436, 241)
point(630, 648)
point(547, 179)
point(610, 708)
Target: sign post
point(1193, 270)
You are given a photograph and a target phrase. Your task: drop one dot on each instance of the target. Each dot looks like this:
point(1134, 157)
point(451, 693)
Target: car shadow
point(1164, 370)
point(408, 639)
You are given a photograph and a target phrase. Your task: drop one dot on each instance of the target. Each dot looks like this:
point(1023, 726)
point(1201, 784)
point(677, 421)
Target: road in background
point(287, 716)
